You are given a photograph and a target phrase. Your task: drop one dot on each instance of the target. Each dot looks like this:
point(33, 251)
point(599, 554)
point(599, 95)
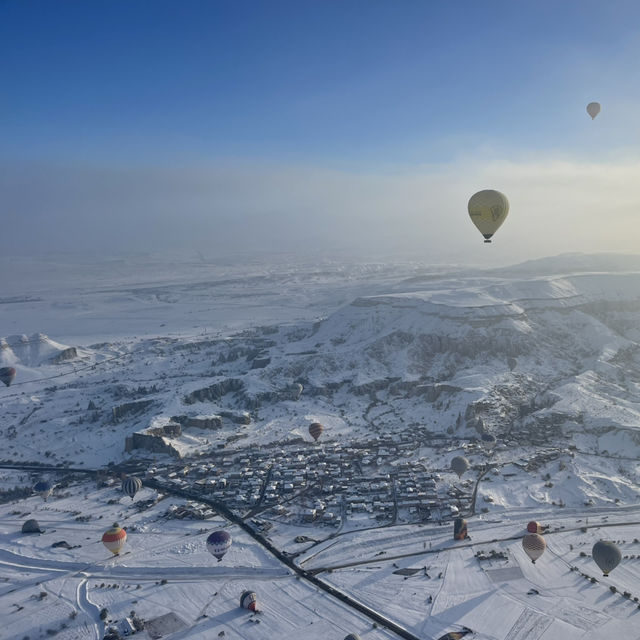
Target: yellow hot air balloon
point(488, 209)
point(593, 109)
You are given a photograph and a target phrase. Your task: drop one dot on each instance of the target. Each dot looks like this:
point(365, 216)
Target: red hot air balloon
point(534, 527)
point(315, 429)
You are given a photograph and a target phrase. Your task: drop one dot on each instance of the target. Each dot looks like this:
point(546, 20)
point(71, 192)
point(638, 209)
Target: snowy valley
point(202, 380)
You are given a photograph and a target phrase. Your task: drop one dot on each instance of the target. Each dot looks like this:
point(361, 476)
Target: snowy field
point(544, 356)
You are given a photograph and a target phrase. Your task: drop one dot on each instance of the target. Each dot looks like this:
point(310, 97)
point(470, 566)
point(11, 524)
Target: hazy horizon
point(221, 127)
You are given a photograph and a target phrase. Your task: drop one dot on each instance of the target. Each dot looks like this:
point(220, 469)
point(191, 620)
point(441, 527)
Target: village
point(326, 485)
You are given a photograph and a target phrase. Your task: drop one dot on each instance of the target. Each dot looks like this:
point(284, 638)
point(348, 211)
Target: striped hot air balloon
point(534, 546)
point(249, 600)
point(7, 374)
point(218, 543)
point(114, 538)
point(315, 429)
point(131, 486)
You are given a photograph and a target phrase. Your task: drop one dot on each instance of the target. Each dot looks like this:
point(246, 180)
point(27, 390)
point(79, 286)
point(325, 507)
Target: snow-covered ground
point(405, 365)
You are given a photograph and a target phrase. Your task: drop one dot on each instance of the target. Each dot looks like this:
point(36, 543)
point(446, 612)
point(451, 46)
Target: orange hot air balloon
point(114, 538)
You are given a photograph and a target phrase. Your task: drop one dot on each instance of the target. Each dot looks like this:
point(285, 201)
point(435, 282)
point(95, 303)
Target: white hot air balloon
point(534, 546)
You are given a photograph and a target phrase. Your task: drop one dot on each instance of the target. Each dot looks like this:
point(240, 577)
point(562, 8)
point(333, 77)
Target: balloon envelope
point(459, 464)
point(606, 555)
point(44, 488)
point(114, 538)
point(218, 543)
point(315, 429)
point(31, 526)
point(593, 109)
point(488, 209)
point(131, 486)
point(249, 600)
point(459, 529)
point(7, 374)
point(534, 527)
point(534, 546)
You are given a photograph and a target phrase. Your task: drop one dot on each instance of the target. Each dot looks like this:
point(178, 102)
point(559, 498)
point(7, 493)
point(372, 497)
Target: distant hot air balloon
point(7, 374)
point(249, 600)
point(218, 543)
point(44, 488)
point(459, 529)
point(459, 464)
point(488, 439)
point(455, 635)
point(593, 109)
point(131, 486)
point(534, 546)
point(31, 526)
point(606, 555)
point(488, 209)
point(534, 527)
point(315, 429)
point(114, 538)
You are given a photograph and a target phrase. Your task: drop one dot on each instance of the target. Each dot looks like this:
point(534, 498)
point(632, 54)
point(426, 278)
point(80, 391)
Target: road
point(225, 512)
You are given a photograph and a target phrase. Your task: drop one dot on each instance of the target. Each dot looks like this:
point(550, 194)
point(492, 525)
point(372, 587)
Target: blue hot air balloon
point(218, 543)
point(44, 488)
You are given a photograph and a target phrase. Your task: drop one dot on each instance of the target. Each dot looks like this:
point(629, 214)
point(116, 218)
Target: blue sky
point(360, 87)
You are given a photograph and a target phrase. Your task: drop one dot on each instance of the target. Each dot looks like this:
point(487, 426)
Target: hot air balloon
point(249, 600)
point(114, 538)
point(488, 439)
point(44, 488)
point(534, 527)
point(218, 543)
point(7, 374)
point(459, 464)
point(488, 209)
point(31, 526)
point(606, 555)
point(534, 546)
point(455, 635)
point(593, 109)
point(315, 429)
point(459, 529)
point(131, 486)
